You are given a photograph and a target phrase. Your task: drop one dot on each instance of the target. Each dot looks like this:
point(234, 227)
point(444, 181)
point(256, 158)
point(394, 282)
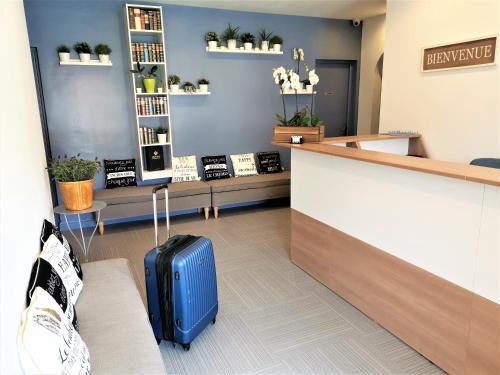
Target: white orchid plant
point(290, 79)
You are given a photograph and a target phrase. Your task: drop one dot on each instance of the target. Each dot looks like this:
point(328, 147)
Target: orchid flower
point(313, 77)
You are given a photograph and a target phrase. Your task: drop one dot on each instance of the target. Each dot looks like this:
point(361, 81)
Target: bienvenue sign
point(471, 53)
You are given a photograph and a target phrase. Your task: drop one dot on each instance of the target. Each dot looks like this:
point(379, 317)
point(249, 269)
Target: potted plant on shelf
point(63, 52)
point(162, 135)
point(264, 37)
point(103, 51)
point(173, 82)
point(276, 42)
point(230, 36)
point(75, 177)
point(148, 79)
point(203, 84)
point(84, 50)
point(211, 38)
point(188, 87)
point(247, 39)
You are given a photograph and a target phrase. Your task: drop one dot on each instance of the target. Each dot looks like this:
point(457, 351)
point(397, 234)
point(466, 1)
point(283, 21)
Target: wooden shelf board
point(91, 63)
point(238, 50)
point(197, 93)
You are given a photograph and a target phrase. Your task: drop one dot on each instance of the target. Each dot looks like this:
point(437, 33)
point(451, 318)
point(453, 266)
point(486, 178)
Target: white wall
point(24, 187)
point(457, 111)
point(370, 82)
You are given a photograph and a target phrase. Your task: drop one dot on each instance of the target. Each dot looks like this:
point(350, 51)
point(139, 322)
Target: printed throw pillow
point(244, 165)
point(214, 167)
point(47, 229)
point(44, 276)
point(269, 162)
point(47, 343)
point(184, 169)
point(55, 253)
point(120, 173)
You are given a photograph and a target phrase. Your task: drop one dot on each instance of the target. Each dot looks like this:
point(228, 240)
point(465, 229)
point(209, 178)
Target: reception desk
point(411, 242)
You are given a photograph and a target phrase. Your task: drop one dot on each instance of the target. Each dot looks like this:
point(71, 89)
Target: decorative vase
point(63, 56)
point(77, 195)
point(149, 84)
point(138, 90)
point(311, 134)
point(264, 45)
point(309, 89)
point(203, 88)
point(231, 44)
point(84, 57)
point(248, 46)
point(277, 47)
point(160, 90)
point(104, 59)
point(174, 88)
point(212, 44)
point(162, 138)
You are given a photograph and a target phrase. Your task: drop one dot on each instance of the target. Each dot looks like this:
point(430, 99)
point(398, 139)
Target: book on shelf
point(147, 136)
point(142, 19)
point(148, 106)
point(147, 52)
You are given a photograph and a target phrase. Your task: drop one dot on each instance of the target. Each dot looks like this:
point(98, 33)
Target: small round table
point(96, 208)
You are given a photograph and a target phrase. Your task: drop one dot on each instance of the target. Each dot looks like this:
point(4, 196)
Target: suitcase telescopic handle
point(155, 213)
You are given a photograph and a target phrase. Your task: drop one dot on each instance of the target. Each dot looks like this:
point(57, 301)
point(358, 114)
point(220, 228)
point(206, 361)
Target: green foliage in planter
point(161, 130)
point(300, 118)
point(73, 169)
point(211, 36)
point(264, 36)
point(173, 79)
point(188, 87)
point(82, 47)
point(102, 49)
point(247, 38)
point(276, 40)
point(63, 49)
point(203, 81)
point(230, 33)
point(140, 71)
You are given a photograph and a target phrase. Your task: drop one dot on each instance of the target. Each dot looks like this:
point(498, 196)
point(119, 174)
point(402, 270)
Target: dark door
point(335, 96)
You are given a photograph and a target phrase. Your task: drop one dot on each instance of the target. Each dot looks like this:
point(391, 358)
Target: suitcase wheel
point(158, 341)
point(186, 347)
point(213, 320)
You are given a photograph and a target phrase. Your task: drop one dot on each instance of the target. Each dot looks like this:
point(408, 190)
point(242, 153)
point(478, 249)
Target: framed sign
point(465, 54)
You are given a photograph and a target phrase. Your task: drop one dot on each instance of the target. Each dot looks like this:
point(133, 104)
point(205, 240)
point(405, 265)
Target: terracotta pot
point(282, 134)
point(77, 195)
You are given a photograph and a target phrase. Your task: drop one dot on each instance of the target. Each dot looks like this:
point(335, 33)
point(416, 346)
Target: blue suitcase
point(181, 284)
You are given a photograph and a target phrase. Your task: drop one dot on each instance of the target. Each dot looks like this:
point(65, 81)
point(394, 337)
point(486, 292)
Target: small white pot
point(160, 90)
point(203, 88)
point(277, 47)
point(248, 46)
point(162, 138)
point(85, 57)
point(309, 89)
point(231, 44)
point(63, 56)
point(104, 59)
point(138, 90)
point(212, 44)
point(264, 45)
point(174, 88)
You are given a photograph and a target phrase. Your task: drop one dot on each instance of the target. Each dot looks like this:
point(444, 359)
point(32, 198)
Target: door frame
point(353, 93)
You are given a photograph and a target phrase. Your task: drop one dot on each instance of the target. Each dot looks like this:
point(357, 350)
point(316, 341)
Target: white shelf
point(183, 93)
point(146, 31)
point(151, 175)
point(300, 93)
point(242, 50)
point(142, 116)
point(150, 63)
point(90, 63)
point(156, 144)
point(151, 93)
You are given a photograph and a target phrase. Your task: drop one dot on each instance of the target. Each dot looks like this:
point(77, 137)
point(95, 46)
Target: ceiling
point(341, 9)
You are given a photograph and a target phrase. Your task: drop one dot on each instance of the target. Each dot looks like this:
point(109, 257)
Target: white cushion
point(184, 169)
point(244, 165)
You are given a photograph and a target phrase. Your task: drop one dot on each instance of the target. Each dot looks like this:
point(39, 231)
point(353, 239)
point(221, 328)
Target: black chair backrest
point(487, 162)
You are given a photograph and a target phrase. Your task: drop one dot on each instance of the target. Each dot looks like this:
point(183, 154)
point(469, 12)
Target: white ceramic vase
point(309, 89)
point(138, 90)
point(264, 45)
point(63, 56)
point(248, 46)
point(277, 47)
point(174, 88)
point(231, 44)
point(104, 59)
point(162, 138)
point(85, 57)
point(160, 90)
point(203, 88)
point(212, 45)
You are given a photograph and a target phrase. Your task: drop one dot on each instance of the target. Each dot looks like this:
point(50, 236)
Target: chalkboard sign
point(215, 167)
point(269, 162)
point(120, 173)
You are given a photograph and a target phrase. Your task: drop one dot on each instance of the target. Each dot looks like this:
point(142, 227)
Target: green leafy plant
point(275, 40)
point(102, 49)
point(173, 79)
point(230, 33)
point(203, 81)
point(63, 49)
point(211, 36)
point(140, 71)
point(73, 169)
point(247, 38)
point(161, 130)
point(299, 118)
point(82, 47)
point(188, 87)
point(264, 36)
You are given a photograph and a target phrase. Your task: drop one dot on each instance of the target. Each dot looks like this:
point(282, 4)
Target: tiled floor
point(273, 318)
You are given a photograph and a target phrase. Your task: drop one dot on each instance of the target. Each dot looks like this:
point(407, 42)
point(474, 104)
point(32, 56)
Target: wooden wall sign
point(477, 52)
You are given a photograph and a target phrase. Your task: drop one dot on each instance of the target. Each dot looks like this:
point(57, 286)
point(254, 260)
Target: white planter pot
point(63, 56)
point(104, 59)
point(231, 44)
point(248, 46)
point(162, 138)
point(212, 44)
point(203, 88)
point(174, 88)
point(277, 47)
point(160, 90)
point(85, 57)
point(264, 45)
point(309, 89)
point(138, 90)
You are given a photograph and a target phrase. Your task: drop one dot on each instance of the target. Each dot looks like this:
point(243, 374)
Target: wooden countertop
point(483, 175)
point(368, 137)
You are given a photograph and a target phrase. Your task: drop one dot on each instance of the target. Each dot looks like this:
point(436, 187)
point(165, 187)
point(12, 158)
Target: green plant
point(73, 169)
point(211, 36)
point(188, 87)
point(299, 118)
point(173, 79)
point(264, 36)
point(275, 40)
point(82, 47)
point(230, 33)
point(102, 49)
point(203, 81)
point(63, 49)
point(140, 71)
point(161, 130)
point(247, 38)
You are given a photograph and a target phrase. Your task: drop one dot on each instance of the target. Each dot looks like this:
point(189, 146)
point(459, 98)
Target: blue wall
point(90, 110)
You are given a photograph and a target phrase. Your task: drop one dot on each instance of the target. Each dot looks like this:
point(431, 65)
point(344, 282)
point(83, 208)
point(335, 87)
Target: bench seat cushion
point(114, 323)
point(250, 182)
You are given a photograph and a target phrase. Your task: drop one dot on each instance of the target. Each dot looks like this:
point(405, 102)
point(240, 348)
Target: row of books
point(147, 52)
point(147, 136)
point(142, 19)
point(151, 106)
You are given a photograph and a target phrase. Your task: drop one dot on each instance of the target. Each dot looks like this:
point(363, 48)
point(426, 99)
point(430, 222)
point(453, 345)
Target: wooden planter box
point(282, 134)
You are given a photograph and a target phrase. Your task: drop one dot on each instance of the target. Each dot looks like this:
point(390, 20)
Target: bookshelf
point(153, 117)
